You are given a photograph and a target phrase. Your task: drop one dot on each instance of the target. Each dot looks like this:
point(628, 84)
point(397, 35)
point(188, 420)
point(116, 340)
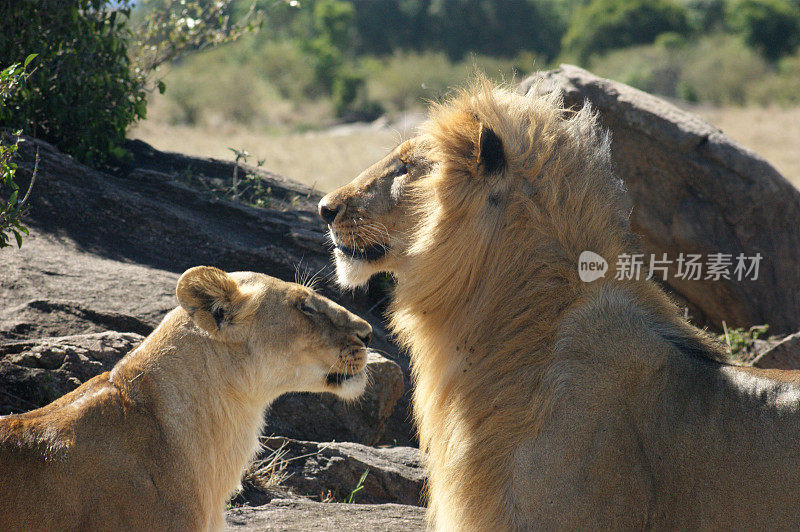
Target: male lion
point(161, 441)
point(543, 401)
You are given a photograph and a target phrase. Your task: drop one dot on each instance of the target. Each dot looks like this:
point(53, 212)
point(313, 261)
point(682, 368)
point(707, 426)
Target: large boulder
point(695, 191)
point(306, 516)
point(333, 469)
point(325, 417)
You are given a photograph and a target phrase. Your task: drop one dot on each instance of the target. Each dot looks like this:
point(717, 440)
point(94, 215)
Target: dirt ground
point(331, 158)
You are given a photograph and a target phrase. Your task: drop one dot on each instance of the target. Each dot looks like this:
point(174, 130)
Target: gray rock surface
point(694, 190)
point(396, 474)
point(304, 516)
point(783, 355)
point(34, 373)
point(40, 318)
point(325, 417)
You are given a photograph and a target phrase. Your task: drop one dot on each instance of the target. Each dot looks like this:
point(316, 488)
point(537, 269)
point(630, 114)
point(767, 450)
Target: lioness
point(161, 441)
point(545, 402)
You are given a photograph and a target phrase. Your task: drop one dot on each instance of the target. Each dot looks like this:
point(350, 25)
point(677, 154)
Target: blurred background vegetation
point(317, 60)
point(282, 78)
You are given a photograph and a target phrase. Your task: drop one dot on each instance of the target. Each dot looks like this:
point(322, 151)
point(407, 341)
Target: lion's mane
point(492, 270)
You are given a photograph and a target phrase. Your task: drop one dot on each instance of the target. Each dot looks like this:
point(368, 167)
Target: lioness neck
point(204, 404)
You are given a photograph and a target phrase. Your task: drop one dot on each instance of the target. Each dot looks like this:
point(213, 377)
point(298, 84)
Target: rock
point(112, 244)
point(129, 215)
point(783, 355)
point(293, 515)
point(694, 190)
point(396, 474)
point(42, 318)
point(324, 417)
point(34, 373)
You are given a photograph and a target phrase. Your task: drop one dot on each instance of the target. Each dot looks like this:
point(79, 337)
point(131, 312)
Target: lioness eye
point(305, 308)
point(402, 169)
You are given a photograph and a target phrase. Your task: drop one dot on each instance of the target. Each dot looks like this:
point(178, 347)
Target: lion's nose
point(328, 209)
point(365, 338)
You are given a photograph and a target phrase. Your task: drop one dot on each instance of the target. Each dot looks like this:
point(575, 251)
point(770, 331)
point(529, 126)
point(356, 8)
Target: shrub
point(720, 69)
point(684, 71)
point(406, 80)
point(211, 88)
point(330, 45)
point(89, 86)
point(13, 208)
point(652, 68)
point(771, 26)
point(603, 25)
point(706, 15)
point(83, 94)
point(781, 86)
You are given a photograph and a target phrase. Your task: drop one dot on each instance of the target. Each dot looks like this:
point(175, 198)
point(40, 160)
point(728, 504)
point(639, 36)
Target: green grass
point(741, 343)
point(351, 499)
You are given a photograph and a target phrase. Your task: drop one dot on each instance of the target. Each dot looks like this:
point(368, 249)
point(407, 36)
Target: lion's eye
point(305, 308)
point(402, 169)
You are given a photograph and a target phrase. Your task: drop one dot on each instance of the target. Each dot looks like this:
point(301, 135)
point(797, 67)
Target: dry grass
point(330, 159)
point(772, 133)
point(321, 159)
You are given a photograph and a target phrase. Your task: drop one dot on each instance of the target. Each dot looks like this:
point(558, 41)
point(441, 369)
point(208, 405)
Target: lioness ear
point(210, 296)
point(491, 157)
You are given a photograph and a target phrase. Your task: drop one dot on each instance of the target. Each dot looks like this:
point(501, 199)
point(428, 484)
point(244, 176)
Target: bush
point(781, 86)
point(718, 69)
point(706, 15)
point(406, 80)
point(12, 208)
point(210, 89)
point(603, 25)
point(82, 95)
point(87, 88)
point(330, 46)
point(494, 28)
point(771, 26)
point(652, 68)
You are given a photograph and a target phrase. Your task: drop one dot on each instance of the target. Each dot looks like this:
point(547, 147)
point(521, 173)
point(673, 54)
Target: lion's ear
point(210, 296)
point(491, 157)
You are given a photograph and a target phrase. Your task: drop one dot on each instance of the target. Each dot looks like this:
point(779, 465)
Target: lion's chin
point(351, 272)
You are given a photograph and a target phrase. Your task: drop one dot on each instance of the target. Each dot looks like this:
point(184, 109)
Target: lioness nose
point(329, 209)
point(364, 332)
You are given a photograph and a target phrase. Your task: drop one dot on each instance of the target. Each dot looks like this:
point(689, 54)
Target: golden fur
point(161, 441)
point(543, 401)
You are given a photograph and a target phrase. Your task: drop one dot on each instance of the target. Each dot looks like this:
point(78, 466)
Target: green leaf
point(18, 237)
point(162, 87)
point(119, 153)
point(13, 199)
point(29, 59)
